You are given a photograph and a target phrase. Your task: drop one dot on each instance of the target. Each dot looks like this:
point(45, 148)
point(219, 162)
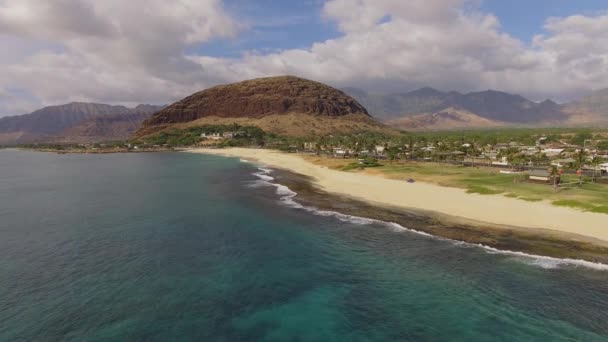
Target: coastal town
point(544, 160)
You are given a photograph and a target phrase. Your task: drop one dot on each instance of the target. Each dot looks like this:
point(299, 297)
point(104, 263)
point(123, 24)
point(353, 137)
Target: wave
point(546, 262)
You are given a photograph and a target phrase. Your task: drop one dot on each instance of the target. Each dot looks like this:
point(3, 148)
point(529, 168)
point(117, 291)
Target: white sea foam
point(547, 262)
point(264, 177)
point(287, 198)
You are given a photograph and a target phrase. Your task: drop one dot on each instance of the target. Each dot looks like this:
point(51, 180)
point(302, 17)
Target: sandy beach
point(456, 203)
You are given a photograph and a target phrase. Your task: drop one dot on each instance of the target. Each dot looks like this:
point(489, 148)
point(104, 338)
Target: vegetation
point(488, 181)
point(192, 136)
point(362, 164)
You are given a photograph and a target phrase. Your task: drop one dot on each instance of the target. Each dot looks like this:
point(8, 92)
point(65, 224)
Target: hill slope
point(54, 122)
point(104, 128)
point(447, 119)
point(285, 105)
point(592, 109)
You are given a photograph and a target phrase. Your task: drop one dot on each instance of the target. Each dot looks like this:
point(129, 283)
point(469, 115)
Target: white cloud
point(133, 51)
point(108, 51)
point(393, 45)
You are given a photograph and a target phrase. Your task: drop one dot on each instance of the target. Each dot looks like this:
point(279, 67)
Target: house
point(529, 150)
point(212, 136)
point(542, 176)
point(553, 152)
point(379, 149)
point(501, 162)
point(340, 152)
point(604, 167)
point(310, 146)
point(563, 162)
point(490, 155)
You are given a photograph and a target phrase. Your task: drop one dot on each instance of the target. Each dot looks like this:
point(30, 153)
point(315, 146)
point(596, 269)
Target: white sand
point(454, 202)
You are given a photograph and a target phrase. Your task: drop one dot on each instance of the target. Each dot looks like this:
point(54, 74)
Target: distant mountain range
point(74, 122)
point(276, 104)
point(428, 108)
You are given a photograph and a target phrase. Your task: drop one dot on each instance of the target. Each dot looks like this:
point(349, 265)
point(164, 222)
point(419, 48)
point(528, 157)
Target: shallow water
point(176, 246)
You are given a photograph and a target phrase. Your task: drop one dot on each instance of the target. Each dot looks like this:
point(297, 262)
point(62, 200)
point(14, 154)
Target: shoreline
point(357, 194)
point(535, 244)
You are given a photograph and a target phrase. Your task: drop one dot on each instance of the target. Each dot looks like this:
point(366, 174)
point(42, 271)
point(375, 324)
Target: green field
point(488, 181)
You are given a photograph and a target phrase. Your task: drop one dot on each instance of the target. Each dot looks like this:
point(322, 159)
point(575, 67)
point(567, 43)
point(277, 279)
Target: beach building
point(553, 152)
point(212, 136)
point(340, 152)
point(501, 162)
point(566, 162)
point(310, 146)
point(604, 167)
point(542, 176)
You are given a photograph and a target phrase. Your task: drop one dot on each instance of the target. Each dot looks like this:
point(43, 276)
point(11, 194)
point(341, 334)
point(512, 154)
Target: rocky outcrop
point(256, 99)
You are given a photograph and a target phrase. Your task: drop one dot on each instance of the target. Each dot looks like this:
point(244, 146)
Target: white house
point(339, 152)
point(212, 136)
point(310, 145)
point(552, 152)
point(380, 149)
point(604, 167)
point(501, 162)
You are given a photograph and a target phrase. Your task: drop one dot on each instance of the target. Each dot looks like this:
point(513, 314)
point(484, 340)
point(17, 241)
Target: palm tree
point(579, 161)
point(554, 172)
point(595, 162)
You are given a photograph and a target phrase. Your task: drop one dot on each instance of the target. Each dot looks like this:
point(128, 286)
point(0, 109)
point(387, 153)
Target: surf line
point(286, 197)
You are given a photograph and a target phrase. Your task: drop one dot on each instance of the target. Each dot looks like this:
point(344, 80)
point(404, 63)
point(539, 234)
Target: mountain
point(447, 119)
point(495, 106)
point(592, 109)
point(283, 105)
point(104, 128)
point(50, 123)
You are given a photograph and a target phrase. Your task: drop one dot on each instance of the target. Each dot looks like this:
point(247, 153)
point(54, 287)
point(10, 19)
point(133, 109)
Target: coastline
point(497, 222)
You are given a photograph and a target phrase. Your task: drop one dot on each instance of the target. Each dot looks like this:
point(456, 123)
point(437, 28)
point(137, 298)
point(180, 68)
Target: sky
point(159, 51)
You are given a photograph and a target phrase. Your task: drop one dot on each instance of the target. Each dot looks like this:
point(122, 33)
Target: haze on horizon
point(158, 51)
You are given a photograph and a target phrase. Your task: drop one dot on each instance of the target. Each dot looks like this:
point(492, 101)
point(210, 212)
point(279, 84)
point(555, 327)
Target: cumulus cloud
point(129, 52)
point(111, 50)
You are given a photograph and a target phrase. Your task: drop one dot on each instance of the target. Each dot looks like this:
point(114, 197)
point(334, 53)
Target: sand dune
point(454, 202)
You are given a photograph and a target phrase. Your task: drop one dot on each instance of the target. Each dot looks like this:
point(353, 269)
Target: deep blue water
point(181, 247)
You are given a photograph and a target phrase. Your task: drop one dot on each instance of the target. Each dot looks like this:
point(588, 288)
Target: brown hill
point(284, 105)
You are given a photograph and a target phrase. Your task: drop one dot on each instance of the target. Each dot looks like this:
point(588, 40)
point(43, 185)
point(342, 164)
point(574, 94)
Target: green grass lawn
point(487, 181)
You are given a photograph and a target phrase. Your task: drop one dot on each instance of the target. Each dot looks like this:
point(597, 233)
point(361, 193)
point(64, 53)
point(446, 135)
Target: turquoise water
point(183, 247)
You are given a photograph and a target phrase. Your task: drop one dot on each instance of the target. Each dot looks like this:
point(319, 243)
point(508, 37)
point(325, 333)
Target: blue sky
point(525, 18)
point(279, 24)
point(273, 25)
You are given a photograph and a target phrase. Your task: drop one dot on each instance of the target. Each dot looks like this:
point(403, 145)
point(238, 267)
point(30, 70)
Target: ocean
point(190, 247)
